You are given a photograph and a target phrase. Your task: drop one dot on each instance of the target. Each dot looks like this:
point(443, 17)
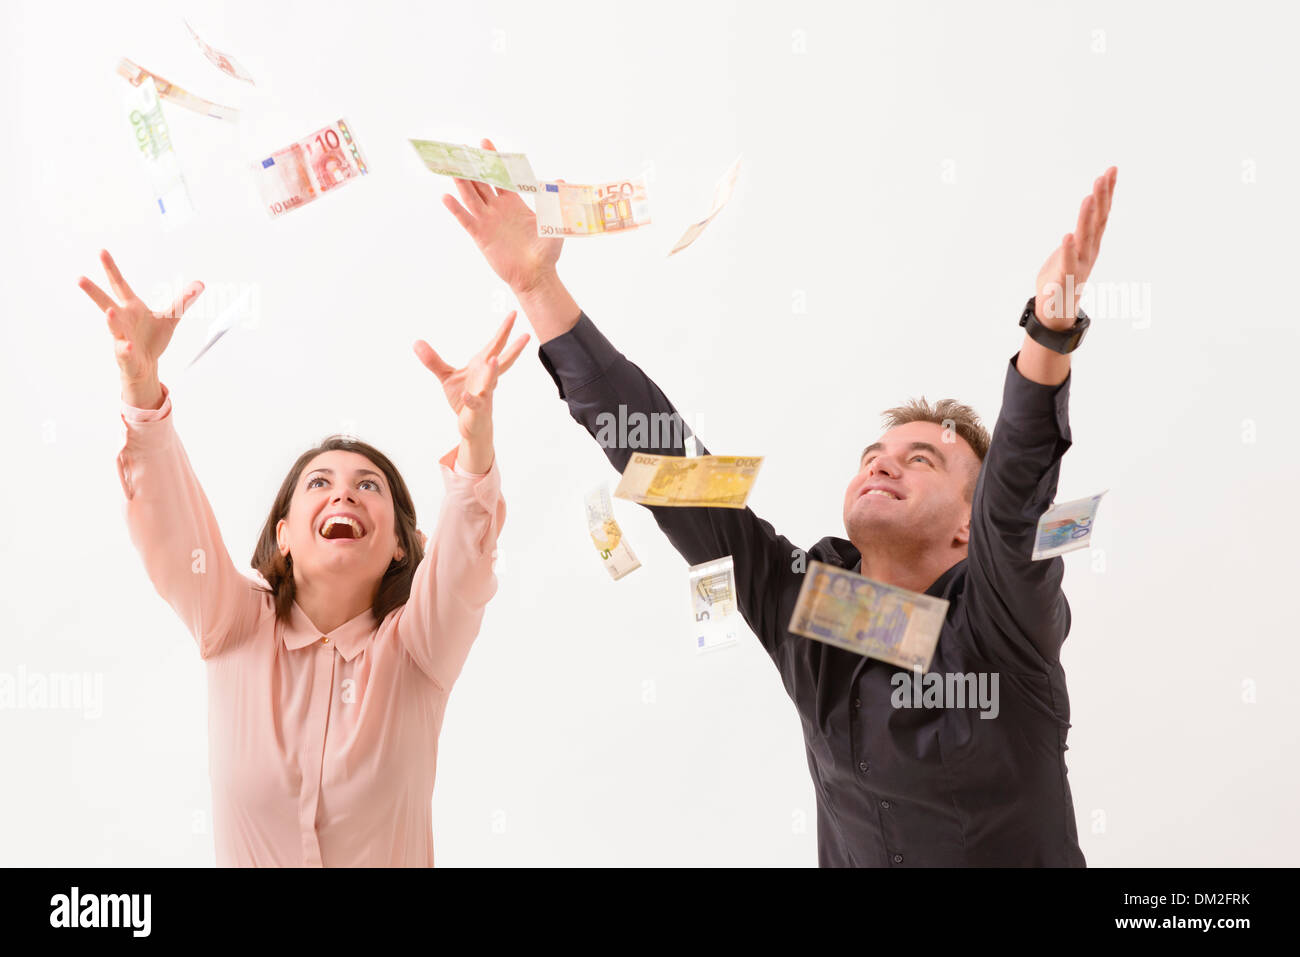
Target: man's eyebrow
point(923, 446)
point(357, 472)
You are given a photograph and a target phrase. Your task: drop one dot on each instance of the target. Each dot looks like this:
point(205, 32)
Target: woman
point(327, 678)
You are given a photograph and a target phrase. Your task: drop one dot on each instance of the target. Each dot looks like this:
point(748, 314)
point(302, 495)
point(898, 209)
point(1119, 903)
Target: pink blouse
point(322, 747)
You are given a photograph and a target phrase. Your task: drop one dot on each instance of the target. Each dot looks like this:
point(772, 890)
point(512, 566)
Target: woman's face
point(347, 485)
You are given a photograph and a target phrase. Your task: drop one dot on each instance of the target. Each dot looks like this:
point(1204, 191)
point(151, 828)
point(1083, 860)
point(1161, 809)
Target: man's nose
point(883, 465)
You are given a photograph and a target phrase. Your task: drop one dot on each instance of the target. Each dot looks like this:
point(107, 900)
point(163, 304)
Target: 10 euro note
point(503, 170)
point(154, 143)
point(713, 602)
point(1065, 527)
point(702, 481)
point(572, 209)
point(850, 611)
point(302, 171)
point(607, 536)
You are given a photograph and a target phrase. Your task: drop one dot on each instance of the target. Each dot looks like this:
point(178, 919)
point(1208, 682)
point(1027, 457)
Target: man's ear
point(962, 536)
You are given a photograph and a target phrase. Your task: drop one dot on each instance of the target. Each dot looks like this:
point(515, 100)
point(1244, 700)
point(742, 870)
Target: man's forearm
point(1037, 363)
point(549, 307)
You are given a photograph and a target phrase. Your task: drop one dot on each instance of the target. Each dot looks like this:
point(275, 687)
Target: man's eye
point(923, 458)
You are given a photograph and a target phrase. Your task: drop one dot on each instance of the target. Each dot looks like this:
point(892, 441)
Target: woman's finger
point(184, 301)
point(487, 145)
point(115, 276)
point(457, 210)
point(432, 361)
point(100, 297)
point(470, 197)
point(499, 340)
point(510, 355)
point(484, 191)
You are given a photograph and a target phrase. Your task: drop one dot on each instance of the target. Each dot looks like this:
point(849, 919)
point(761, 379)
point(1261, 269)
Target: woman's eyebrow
point(357, 472)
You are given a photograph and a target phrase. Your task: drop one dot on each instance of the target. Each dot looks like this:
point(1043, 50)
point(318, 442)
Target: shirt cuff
point(1028, 404)
point(131, 413)
point(485, 487)
point(577, 357)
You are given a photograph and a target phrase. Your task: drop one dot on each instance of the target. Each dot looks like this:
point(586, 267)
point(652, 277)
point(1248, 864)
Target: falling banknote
point(222, 61)
point(721, 193)
point(299, 173)
point(607, 536)
point(844, 609)
point(152, 139)
point(713, 600)
point(571, 209)
point(1065, 527)
point(136, 75)
point(702, 481)
point(502, 170)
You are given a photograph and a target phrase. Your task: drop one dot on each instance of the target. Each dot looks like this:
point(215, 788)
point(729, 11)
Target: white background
point(907, 168)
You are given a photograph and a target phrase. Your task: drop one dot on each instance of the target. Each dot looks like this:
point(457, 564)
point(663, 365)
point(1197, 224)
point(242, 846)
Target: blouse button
point(324, 641)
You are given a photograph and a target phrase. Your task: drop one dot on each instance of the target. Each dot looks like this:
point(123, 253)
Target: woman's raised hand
point(469, 389)
point(139, 335)
point(505, 230)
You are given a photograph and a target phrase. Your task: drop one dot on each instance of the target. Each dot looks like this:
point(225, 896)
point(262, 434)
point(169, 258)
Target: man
point(936, 507)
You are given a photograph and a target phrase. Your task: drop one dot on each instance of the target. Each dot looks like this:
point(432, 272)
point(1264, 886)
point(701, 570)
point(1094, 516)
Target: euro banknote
point(574, 209)
point(702, 481)
point(222, 61)
point(135, 75)
point(302, 171)
point(713, 602)
point(850, 611)
point(721, 194)
point(502, 170)
point(1065, 527)
point(605, 533)
point(154, 144)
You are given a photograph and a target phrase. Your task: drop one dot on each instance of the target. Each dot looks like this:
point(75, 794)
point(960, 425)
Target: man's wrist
point(549, 307)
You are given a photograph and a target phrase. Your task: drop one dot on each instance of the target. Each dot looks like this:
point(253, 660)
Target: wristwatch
point(1063, 341)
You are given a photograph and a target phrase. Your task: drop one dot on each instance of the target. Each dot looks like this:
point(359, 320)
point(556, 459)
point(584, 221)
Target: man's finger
point(484, 191)
point(1070, 259)
point(432, 361)
point(98, 295)
point(115, 277)
point(184, 301)
point(470, 197)
point(1083, 228)
point(487, 145)
point(457, 210)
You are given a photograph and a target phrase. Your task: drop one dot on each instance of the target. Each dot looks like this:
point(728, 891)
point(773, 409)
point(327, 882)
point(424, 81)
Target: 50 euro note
point(713, 602)
point(702, 481)
point(607, 536)
point(573, 209)
point(301, 172)
point(154, 143)
point(850, 611)
point(1065, 527)
point(136, 75)
point(503, 170)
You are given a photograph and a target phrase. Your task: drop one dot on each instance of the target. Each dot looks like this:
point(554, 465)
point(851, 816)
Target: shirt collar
point(349, 638)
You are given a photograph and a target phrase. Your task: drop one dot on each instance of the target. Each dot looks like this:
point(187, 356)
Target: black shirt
point(901, 786)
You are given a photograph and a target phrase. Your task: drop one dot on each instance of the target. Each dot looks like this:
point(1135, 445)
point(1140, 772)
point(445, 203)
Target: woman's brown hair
point(395, 586)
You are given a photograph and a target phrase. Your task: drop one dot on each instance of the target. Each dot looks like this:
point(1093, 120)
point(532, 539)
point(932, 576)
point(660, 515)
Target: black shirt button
point(857, 703)
point(898, 858)
point(863, 766)
point(885, 805)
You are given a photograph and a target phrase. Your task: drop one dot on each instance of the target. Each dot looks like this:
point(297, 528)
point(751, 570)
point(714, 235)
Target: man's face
point(910, 489)
point(340, 483)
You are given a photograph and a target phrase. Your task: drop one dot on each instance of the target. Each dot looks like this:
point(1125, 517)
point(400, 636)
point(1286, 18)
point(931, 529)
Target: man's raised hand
point(1060, 281)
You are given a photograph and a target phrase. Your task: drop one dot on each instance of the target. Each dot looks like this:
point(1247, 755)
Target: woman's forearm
point(143, 393)
point(475, 455)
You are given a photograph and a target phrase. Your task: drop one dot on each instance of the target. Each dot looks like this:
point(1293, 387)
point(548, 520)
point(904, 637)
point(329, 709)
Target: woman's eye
point(371, 482)
point(313, 481)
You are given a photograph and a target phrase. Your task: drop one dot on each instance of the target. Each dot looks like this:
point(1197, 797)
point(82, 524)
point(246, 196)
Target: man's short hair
point(949, 414)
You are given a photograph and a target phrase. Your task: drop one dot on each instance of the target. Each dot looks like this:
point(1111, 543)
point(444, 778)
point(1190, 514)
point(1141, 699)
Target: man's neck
point(913, 571)
point(332, 604)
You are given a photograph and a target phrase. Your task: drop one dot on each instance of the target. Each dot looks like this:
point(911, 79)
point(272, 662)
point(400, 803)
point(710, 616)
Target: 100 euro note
point(713, 602)
point(154, 143)
point(503, 170)
point(702, 481)
point(571, 209)
point(1065, 527)
point(849, 611)
point(302, 171)
point(607, 536)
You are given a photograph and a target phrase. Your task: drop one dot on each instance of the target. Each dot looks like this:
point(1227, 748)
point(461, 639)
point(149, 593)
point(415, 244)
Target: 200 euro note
point(572, 209)
point(154, 142)
point(852, 612)
point(301, 172)
point(707, 481)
